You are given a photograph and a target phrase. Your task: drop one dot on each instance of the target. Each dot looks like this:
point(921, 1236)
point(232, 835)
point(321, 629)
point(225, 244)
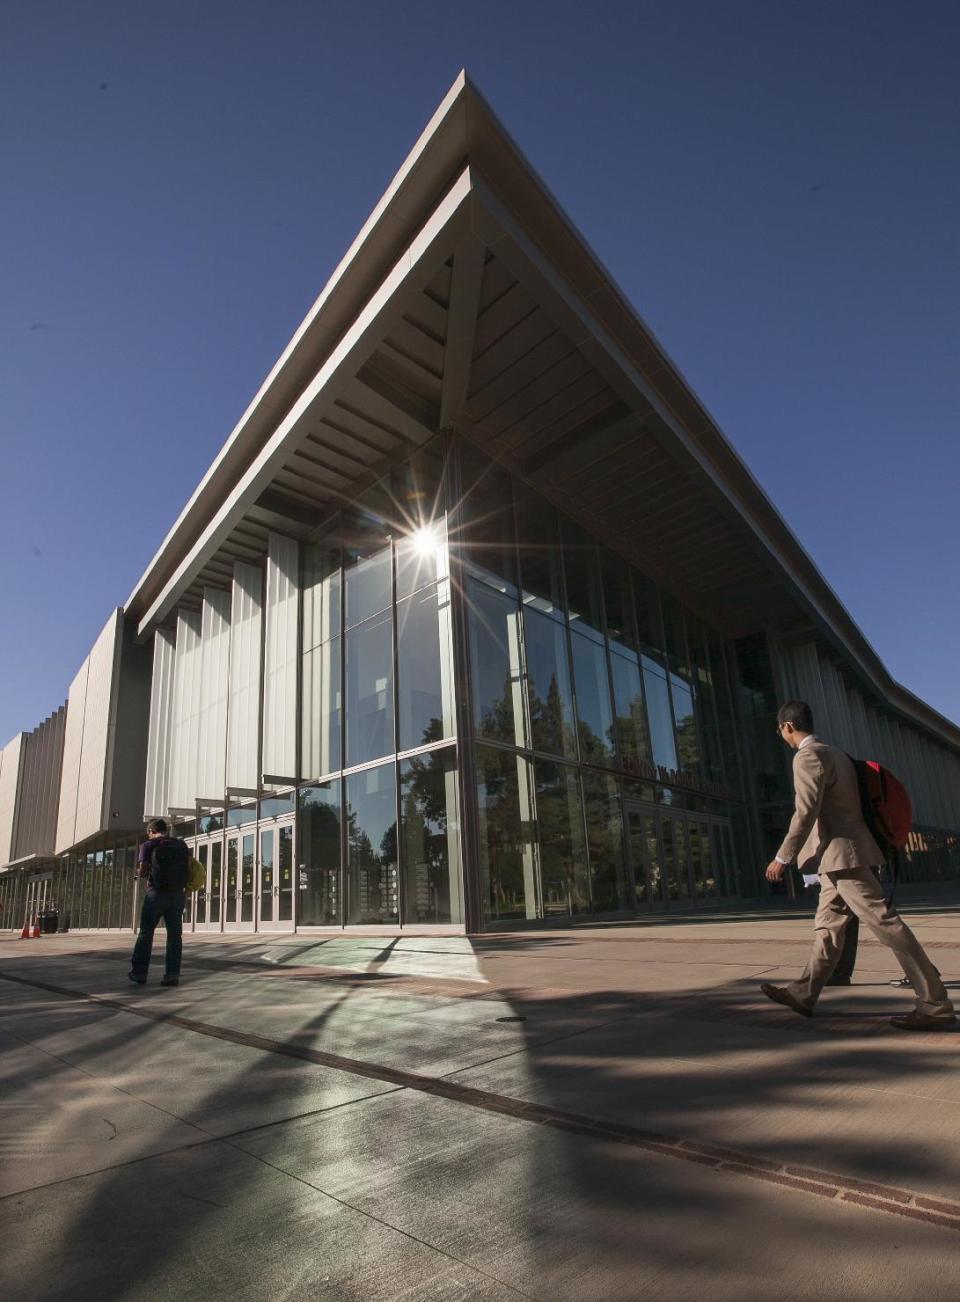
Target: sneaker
point(902, 983)
point(169, 981)
point(137, 980)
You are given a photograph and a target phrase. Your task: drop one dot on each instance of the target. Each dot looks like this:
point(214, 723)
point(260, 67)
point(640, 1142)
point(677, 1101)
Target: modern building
point(476, 619)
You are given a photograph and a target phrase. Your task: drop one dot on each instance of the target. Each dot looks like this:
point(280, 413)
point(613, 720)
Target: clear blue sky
point(775, 186)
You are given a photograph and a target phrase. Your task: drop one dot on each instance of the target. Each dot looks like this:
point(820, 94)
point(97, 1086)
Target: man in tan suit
point(827, 835)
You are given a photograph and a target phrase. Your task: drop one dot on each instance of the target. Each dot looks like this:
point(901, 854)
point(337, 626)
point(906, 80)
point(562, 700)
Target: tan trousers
point(857, 890)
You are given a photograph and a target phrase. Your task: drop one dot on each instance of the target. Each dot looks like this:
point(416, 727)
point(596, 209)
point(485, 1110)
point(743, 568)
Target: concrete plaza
point(605, 1112)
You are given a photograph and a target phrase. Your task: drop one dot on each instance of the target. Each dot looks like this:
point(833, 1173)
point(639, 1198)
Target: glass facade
point(583, 678)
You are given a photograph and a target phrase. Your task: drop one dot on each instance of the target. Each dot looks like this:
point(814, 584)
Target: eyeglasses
point(780, 728)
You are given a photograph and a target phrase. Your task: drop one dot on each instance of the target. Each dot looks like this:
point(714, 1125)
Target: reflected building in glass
point(476, 621)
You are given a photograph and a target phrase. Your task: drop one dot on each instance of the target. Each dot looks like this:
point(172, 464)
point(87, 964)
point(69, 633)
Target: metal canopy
point(469, 301)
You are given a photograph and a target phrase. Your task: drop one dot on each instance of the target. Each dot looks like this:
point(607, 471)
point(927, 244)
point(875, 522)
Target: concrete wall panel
point(280, 657)
point(10, 758)
point(243, 706)
point(214, 691)
point(156, 795)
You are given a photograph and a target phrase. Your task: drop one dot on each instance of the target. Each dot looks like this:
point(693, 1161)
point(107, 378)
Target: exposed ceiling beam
point(465, 286)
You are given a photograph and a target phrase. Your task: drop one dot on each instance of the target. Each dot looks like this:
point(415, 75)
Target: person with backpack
point(165, 863)
point(828, 831)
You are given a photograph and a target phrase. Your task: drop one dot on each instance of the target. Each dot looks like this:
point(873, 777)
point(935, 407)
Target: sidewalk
point(605, 1112)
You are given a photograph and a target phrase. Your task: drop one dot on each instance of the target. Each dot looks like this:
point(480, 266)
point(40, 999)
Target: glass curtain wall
point(378, 811)
point(582, 677)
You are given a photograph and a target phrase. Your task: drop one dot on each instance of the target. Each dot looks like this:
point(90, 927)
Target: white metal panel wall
point(243, 706)
point(155, 797)
point(9, 786)
point(280, 657)
point(185, 721)
point(98, 714)
point(215, 683)
point(72, 746)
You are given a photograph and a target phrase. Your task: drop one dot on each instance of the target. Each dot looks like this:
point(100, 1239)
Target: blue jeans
point(167, 905)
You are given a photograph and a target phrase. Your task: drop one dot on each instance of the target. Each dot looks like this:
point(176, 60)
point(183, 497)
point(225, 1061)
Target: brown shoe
point(917, 1021)
point(781, 995)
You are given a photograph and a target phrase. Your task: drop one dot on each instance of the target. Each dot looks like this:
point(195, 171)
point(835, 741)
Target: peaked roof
point(469, 300)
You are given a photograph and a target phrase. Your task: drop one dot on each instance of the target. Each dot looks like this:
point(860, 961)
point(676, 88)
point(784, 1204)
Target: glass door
point(275, 885)
point(238, 882)
point(208, 909)
point(646, 857)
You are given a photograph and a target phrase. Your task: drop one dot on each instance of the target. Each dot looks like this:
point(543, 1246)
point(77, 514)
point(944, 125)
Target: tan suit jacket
point(827, 832)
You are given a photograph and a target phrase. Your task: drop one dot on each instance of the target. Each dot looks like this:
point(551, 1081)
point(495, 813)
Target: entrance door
point(275, 888)
point(238, 882)
point(646, 857)
point(208, 902)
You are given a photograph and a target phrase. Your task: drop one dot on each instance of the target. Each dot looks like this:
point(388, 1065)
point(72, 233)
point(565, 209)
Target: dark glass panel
point(646, 604)
point(488, 538)
point(688, 746)
point(372, 846)
point(424, 668)
point(538, 539)
point(604, 822)
point(421, 546)
point(564, 875)
point(618, 599)
point(231, 885)
point(285, 873)
point(430, 838)
point(548, 685)
point(658, 715)
point(216, 880)
point(594, 715)
point(277, 806)
point(266, 875)
point(633, 734)
point(676, 640)
point(507, 865)
point(493, 621)
point(319, 901)
point(247, 879)
point(369, 694)
point(583, 580)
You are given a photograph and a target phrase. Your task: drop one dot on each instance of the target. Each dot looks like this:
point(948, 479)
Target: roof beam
point(465, 286)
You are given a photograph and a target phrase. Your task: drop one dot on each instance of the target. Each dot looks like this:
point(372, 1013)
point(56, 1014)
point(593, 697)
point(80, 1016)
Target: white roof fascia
point(433, 244)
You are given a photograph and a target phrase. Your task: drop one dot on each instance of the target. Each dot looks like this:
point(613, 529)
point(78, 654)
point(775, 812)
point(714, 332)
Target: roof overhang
point(469, 301)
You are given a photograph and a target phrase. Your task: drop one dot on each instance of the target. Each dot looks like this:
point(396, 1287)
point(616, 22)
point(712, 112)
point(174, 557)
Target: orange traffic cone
point(25, 934)
point(35, 934)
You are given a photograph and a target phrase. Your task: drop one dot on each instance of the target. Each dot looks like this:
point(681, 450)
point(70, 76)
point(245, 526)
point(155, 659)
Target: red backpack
point(885, 802)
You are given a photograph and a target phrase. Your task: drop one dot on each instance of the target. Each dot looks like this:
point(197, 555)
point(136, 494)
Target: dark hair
point(798, 713)
point(157, 825)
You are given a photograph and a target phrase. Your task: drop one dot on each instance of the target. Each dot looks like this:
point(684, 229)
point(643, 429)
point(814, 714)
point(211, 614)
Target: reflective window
point(246, 879)
point(285, 873)
point(604, 821)
point(367, 579)
point(318, 876)
point(507, 867)
point(245, 814)
point(421, 545)
point(277, 806)
point(633, 735)
point(658, 715)
point(320, 706)
point(425, 668)
point(688, 747)
point(548, 685)
point(488, 518)
point(564, 874)
point(369, 676)
point(231, 885)
point(430, 838)
point(266, 875)
point(594, 714)
point(372, 846)
point(493, 621)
